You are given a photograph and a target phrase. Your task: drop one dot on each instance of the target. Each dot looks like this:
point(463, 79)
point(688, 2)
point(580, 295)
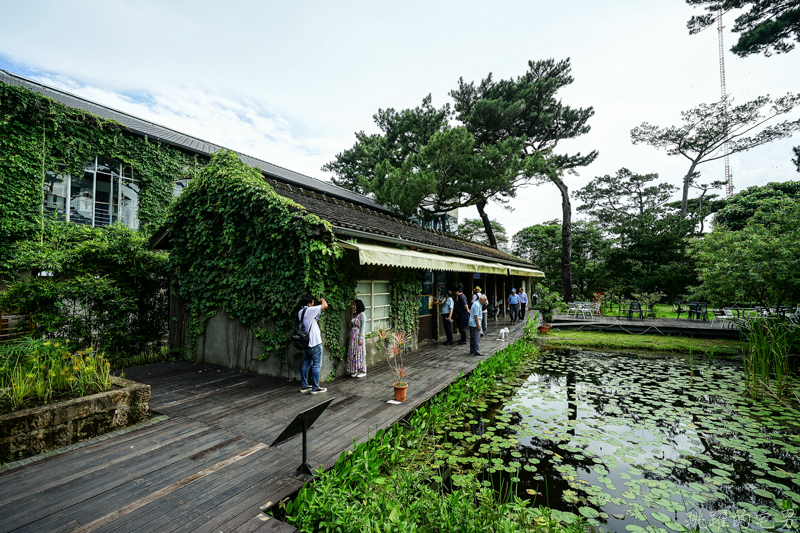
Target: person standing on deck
point(523, 303)
point(476, 297)
point(312, 359)
point(462, 315)
point(513, 306)
point(475, 315)
point(447, 318)
point(356, 351)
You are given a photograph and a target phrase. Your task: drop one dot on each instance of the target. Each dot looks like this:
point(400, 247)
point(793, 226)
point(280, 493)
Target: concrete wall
point(226, 342)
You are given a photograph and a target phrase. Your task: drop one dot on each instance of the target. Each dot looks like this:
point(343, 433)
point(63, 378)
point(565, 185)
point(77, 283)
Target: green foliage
point(39, 135)
point(34, 371)
point(547, 302)
point(392, 482)
point(744, 204)
point(403, 302)
point(712, 131)
point(106, 288)
point(767, 26)
point(541, 245)
point(766, 363)
point(647, 249)
point(241, 247)
point(760, 263)
point(472, 230)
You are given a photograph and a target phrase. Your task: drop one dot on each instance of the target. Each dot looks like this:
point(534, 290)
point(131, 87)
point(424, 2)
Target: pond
point(638, 443)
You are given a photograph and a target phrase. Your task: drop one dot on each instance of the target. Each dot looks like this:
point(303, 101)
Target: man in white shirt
point(312, 359)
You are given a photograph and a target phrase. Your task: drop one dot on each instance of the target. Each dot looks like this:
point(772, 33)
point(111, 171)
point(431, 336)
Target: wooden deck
point(657, 326)
point(208, 467)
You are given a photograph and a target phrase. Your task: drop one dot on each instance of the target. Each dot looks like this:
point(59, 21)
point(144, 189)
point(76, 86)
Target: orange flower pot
point(400, 392)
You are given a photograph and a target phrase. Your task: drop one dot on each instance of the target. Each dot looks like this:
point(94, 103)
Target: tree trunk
point(487, 224)
point(687, 180)
point(566, 239)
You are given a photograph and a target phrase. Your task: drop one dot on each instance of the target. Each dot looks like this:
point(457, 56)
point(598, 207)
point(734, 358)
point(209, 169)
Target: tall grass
point(766, 363)
point(34, 371)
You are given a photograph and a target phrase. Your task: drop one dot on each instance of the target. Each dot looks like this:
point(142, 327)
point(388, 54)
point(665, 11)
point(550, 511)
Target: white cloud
point(291, 82)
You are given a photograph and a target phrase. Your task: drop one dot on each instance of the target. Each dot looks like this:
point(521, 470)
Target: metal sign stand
point(301, 423)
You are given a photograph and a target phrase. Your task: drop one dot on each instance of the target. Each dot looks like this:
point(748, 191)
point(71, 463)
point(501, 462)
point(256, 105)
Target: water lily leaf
point(588, 512)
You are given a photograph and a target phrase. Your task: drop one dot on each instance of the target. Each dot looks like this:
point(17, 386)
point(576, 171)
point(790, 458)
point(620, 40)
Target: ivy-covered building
point(246, 238)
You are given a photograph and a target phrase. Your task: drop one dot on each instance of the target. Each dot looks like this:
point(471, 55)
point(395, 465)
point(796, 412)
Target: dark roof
point(380, 227)
point(185, 142)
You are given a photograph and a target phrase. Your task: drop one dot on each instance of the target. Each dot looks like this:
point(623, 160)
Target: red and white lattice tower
point(728, 175)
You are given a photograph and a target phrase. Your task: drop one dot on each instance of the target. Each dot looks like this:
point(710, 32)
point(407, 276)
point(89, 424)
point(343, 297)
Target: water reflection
point(635, 442)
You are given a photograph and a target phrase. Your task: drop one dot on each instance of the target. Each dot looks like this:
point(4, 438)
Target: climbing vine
point(403, 301)
point(241, 247)
point(39, 135)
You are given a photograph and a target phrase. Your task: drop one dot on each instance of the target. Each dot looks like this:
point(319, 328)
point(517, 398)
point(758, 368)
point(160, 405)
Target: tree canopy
point(647, 251)
point(765, 27)
point(471, 229)
point(528, 108)
point(541, 245)
point(712, 131)
point(744, 205)
point(759, 263)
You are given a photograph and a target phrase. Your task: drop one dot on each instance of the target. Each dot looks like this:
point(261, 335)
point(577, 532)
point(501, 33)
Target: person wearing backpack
point(309, 318)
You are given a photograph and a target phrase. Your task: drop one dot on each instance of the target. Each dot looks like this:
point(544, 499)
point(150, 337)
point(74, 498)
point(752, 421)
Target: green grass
point(662, 311)
point(556, 338)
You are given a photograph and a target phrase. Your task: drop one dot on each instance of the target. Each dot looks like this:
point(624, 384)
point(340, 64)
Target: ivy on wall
point(403, 301)
point(38, 134)
point(239, 246)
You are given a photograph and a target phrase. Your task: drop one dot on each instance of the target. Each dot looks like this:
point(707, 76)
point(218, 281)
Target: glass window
point(177, 189)
point(56, 192)
point(81, 199)
point(375, 295)
point(104, 194)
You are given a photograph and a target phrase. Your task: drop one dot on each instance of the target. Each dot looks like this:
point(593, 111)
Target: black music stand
point(300, 424)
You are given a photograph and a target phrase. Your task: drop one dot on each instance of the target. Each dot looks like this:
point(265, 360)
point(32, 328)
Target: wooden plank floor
point(208, 467)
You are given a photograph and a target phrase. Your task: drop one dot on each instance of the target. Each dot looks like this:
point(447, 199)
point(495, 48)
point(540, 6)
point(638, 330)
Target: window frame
point(117, 182)
point(384, 320)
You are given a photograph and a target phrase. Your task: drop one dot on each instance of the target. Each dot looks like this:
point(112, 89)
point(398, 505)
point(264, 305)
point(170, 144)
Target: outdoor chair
point(634, 308)
point(596, 309)
point(701, 311)
point(572, 308)
point(719, 316)
point(680, 309)
point(651, 310)
point(585, 309)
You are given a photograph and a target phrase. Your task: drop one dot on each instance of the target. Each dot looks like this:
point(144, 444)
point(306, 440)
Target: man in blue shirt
point(513, 306)
point(312, 358)
point(523, 303)
point(447, 318)
point(475, 315)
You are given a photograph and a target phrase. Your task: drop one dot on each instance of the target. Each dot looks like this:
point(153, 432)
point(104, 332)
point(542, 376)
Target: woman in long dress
point(356, 351)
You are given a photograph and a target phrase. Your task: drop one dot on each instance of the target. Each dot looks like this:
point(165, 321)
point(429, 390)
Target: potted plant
point(548, 301)
point(395, 360)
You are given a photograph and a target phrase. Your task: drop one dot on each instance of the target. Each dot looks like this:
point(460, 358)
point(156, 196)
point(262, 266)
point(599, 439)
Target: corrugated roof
point(186, 142)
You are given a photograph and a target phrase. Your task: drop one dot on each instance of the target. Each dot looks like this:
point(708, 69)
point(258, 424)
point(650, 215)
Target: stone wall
point(40, 429)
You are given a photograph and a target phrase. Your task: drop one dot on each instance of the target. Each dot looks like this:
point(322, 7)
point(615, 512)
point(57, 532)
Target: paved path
point(208, 466)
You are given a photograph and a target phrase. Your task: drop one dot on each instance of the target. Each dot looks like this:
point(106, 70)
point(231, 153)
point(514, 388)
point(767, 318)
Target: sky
point(291, 82)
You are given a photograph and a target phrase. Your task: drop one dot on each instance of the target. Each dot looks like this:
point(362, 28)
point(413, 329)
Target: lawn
point(556, 338)
point(662, 311)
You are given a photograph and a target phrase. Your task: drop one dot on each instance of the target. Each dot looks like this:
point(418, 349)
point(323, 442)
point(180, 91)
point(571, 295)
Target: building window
point(179, 185)
point(105, 193)
point(375, 295)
